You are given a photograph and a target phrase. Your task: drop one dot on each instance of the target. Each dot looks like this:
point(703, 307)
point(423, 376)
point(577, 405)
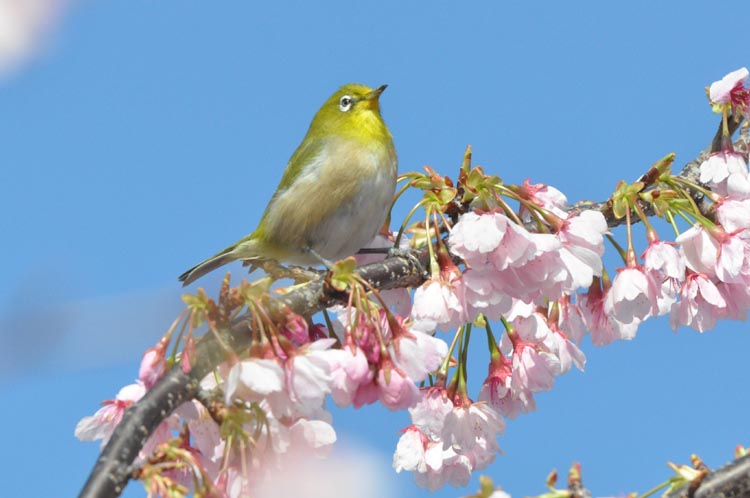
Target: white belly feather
point(336, 207)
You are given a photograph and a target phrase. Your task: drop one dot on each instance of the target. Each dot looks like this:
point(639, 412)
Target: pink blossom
point(294, 388)
point(395, 389)
point(366, 394)
point(738, 186)
point(496, 390)
point(582, 239)
point(634, 295)
point(721, 92)
point(699, 306)
point(311, 437)
point(350, 371)
point(536, 330)
point(433, 466)
point(519, 246)
point(544, 275)
point(475, 236)
point(532, 329)
point(596, 306)
point(295, 329)
point(205, 433)
point(438, 304)
point(418, 354)
point(497, 383)
point(667, 268)
point(397, 300)
point(253, 379)
point(308, 376)
point(465, 426)
point(663, 258)
point(491, 237)
point(733, 261)
point(153, 364)
point(566, 351)
point(699, 250)
point(571, 319)
point(499, 493)
point(533, 369)
point(102, 424)
point(483, 293)
point(734, 214)
point(545, 196)
point(454, 469)
point(444, 466)
point(737, 297)
point(719, 166)
point(430, 411)
point(410, 451)
point(447, 442)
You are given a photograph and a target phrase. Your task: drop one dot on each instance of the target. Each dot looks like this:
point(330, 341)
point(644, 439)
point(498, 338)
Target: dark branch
point(730, 481)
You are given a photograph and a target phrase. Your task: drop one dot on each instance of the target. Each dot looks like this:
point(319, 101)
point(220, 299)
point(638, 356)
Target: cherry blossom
point(351, 370)
point(734, 214)
point(719, 167)
point(545, 196)
point(571, 319)
point(699, 250)
point(700, 304)
point(596, 306)
point(447, 440)
point(438, 304)
point(730, 89)
point(634, 295)
point(465, 426)
point(737, 298)
point(582, 239)
point(498, 393)
point(483, 293)
point(395, 389)
point(102, 424)
point(418, 354)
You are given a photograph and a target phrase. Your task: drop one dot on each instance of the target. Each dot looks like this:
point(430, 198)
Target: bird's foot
point(277, 271)
point(323, 261)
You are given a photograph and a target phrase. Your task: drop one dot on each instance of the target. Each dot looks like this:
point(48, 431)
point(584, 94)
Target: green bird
point(335, 193)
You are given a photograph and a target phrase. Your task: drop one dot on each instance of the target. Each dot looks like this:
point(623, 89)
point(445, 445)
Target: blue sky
point(147, 135)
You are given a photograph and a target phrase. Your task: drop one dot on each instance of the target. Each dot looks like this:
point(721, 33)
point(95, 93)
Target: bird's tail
point(226, 256)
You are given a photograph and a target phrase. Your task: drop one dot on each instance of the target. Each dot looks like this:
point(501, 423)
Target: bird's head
point(353, 110)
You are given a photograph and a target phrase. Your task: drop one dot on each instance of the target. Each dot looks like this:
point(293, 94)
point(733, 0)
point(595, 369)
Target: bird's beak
point(373, 95)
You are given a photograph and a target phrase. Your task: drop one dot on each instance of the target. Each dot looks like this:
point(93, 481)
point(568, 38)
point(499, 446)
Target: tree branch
point(730, 481)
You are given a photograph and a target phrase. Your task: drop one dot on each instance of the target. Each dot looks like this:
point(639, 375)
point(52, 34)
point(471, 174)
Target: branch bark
point(730, 481)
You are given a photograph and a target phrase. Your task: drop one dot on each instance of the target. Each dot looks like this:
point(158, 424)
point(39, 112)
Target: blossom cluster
point(536, 270)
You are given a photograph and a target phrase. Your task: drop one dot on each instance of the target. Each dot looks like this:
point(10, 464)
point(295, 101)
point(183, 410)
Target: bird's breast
point(338, 201)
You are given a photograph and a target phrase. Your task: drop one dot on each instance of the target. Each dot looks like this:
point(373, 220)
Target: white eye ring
point(345, 103)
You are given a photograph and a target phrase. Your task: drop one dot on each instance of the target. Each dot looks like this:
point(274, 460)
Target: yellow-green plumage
point(335, 192)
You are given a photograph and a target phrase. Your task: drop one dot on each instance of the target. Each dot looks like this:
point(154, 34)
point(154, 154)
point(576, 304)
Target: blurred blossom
point(24, 26)
point(41, 332)
point(357, 470)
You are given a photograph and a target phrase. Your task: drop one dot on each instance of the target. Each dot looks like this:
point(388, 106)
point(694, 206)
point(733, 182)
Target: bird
point(334, 195)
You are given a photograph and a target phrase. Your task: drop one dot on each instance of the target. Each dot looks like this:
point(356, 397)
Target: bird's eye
point(345, 103)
